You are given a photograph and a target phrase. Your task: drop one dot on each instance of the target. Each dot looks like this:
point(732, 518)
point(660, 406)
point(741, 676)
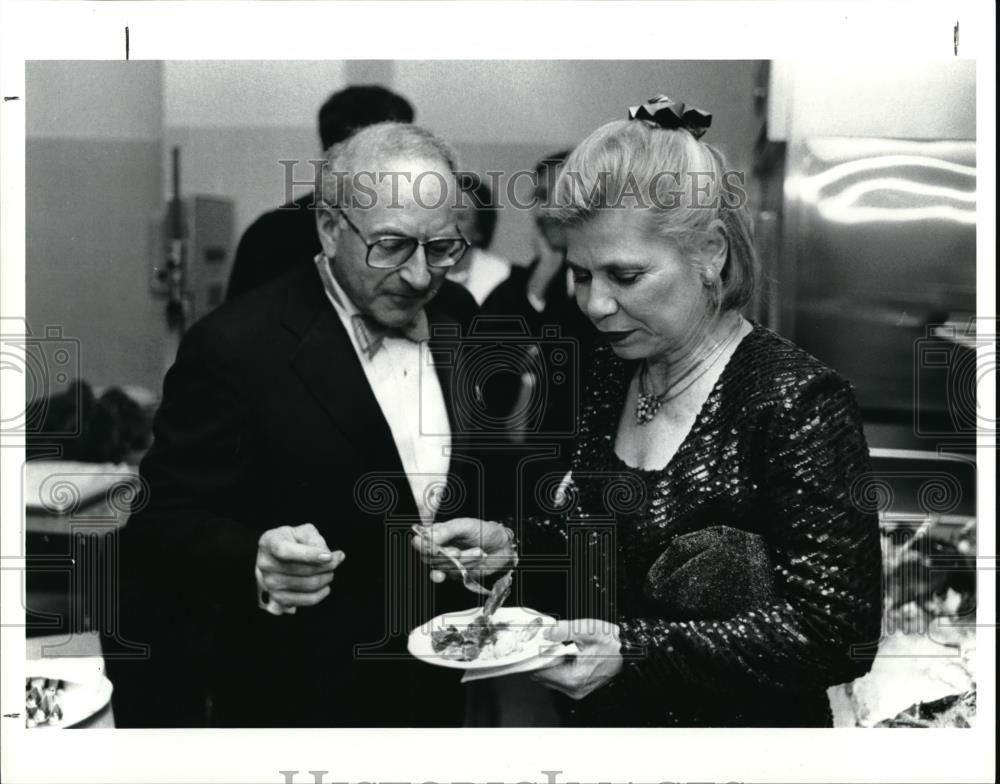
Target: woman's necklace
point(647, 403)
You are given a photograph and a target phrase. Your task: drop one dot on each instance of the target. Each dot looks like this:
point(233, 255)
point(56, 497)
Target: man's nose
point(415, 272)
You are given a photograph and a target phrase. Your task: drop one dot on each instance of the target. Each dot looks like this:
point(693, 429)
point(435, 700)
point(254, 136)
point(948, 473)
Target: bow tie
point(371, 333)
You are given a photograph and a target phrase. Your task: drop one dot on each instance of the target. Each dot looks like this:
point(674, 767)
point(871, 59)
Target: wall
point(898, 99)
point(99, 136)
point(508, 114)
point(236, 121)
point(93, 149)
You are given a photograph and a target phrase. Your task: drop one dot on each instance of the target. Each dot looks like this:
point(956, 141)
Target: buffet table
point(77, 658)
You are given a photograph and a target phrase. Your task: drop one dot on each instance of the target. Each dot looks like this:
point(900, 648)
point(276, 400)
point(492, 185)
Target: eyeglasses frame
point(420, 244)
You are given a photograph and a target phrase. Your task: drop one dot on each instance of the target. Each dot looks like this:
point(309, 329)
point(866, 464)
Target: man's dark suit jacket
point(267, 419)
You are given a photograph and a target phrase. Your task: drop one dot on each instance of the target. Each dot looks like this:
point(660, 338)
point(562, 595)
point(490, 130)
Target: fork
point(468, 580)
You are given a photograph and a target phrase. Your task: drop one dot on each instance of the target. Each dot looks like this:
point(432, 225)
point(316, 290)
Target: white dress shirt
point(405, 383)
point(484, 272)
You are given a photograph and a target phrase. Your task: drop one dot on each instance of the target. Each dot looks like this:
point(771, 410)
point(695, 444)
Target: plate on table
point(517, 634)
point(53, 703)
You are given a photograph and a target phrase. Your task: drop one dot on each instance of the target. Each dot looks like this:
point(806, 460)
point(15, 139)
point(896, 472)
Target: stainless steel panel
point(879, 246)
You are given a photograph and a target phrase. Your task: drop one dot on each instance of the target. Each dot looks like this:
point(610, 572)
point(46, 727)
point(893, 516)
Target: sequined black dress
point(748, 634)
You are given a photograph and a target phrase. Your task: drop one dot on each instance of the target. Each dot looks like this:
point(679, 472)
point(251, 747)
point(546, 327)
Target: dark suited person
point(283, 237)
point(538, 299)
point(303, 430)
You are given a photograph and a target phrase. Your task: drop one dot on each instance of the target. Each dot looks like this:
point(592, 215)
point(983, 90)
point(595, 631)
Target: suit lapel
point(326, 362)
point(444, 343)
point(328, 366)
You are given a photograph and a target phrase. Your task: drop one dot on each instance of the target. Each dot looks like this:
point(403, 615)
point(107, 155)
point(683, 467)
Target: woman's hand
point(480, 545)
point(598, 662)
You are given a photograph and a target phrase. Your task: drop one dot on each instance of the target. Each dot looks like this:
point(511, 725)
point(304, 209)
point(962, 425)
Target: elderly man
point(304, 428)
point(282, 238)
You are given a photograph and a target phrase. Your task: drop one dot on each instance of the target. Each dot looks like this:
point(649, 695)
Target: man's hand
point(481, 546)
point(295, 566)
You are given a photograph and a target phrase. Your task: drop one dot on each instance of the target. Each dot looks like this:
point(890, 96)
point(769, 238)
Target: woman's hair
point(372, 147)
point(684, 183)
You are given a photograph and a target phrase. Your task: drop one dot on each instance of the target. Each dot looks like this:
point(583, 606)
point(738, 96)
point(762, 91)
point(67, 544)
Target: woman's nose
point(595, 300)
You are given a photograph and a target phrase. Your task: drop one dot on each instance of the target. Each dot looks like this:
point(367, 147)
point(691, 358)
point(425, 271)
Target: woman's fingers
point(585, 632)
point(558, 633)
point(561, 677)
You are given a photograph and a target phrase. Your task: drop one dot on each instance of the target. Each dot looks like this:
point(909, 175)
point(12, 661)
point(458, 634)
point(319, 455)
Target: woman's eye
point(624, 278)
point(581, 277)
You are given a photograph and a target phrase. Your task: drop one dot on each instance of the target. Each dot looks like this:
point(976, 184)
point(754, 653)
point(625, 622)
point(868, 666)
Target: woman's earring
point(714, 286)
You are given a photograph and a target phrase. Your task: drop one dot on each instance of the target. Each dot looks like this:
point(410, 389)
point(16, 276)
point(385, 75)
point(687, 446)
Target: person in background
point(301, 431)
point(542, 291)
point(537, 301)
point(287, 236)
point(480, 272)
point(725, 574)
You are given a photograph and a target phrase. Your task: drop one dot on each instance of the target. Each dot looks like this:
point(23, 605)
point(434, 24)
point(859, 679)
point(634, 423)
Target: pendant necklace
point(648, 403)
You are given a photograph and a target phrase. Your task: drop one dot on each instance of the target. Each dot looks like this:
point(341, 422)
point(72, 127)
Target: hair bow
point(672, 115)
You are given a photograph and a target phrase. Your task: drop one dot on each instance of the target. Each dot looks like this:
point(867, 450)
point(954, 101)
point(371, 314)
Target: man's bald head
point(369, 153)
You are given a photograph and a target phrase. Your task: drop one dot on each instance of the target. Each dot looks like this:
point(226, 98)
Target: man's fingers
point(269, 563)
point(300, 598)
point(272, 566)
point(308, 534)
point(275, 581)
point(423, 545)
point(289, 550)
point(452, 532)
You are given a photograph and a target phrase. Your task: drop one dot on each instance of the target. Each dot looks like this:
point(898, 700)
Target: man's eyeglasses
point(394, 251)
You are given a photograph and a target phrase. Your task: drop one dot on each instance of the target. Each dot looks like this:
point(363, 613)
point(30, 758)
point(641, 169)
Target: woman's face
point(638, 289)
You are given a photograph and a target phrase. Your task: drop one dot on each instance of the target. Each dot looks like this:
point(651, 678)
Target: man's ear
point(328, 228)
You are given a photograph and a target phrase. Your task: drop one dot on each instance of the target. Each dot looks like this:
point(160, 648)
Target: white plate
point(79, 701)
point(421, 646)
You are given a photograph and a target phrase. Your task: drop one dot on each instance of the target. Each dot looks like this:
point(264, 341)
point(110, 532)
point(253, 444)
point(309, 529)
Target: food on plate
point(41, 701)
point(482, 640)
point(498, 595)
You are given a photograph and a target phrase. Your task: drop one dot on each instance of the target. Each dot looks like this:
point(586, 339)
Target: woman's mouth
point(615, 336)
